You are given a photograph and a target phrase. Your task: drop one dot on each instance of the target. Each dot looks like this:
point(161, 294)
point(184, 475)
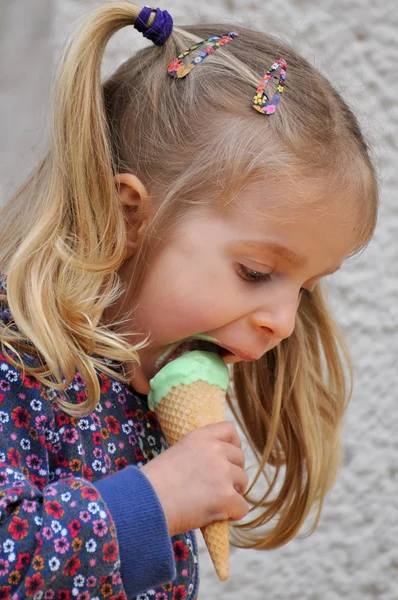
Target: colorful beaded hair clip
point(178, 70)
point(261, 101)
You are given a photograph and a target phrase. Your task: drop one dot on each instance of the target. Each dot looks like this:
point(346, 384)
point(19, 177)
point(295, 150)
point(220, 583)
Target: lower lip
point(241, 355)
point(231, 359)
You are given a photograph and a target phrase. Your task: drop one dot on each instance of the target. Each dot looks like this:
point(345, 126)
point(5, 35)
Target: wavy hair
point(63, 234)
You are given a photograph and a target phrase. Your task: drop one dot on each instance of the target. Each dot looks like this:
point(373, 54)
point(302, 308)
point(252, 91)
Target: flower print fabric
point(58, 537)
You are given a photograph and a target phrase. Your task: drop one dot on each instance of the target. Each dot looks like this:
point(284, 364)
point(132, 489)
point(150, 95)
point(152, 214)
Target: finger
point(239, 510)
point(226, 432)
point(235, 455)
point(240, 479)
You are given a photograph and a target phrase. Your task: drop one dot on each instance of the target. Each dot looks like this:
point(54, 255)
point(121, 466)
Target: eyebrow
point(285, 253)
point(277, 249)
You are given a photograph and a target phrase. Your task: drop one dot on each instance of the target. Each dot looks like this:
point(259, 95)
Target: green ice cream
point(188, 368)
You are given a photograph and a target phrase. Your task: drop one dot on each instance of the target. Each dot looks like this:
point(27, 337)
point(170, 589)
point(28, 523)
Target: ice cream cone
point(186, 407)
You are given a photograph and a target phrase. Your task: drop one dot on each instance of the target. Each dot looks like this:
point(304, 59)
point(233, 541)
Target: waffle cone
point(185, 408)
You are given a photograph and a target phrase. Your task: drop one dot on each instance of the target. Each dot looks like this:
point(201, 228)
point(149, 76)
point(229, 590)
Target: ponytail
point(62, 257)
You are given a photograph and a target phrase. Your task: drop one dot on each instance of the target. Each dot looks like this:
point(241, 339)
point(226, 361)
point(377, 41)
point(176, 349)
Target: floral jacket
point(78, 519)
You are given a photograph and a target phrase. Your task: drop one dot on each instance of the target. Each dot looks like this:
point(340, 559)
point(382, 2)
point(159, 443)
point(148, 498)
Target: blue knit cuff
point(146, 552)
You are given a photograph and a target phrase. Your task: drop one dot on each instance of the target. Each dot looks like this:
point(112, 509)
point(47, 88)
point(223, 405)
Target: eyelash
point(252, 276)
point(255, 277)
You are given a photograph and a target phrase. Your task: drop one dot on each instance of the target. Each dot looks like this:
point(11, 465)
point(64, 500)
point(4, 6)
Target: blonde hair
point(63, 235)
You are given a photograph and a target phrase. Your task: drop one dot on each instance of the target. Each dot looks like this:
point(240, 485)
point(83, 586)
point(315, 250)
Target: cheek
point(186, 300)
point(177, 306)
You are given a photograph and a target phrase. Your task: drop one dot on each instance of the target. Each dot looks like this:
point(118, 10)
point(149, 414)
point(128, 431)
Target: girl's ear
point(134, 199)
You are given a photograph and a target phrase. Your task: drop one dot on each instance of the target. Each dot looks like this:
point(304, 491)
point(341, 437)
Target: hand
point(201, 479)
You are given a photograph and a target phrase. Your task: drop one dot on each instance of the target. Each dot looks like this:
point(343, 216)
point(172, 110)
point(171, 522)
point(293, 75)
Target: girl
point(168, 214)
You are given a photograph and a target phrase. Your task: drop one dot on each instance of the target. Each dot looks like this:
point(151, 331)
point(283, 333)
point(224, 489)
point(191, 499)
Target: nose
point(279, 320)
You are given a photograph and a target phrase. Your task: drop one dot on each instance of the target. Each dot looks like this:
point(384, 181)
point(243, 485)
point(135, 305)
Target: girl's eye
point(255, 277)
point(252, 276)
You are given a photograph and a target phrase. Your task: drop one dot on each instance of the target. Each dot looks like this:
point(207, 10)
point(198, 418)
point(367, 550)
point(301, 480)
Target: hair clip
point(178, 70)
point(261, 101)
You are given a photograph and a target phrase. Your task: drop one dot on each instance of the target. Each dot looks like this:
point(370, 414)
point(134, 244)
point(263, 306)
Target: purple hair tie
point(160, 29)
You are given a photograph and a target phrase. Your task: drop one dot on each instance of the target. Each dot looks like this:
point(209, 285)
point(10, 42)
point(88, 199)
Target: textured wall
point(354, 552)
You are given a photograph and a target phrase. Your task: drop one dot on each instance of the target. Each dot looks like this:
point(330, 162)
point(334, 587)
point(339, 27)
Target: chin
point(140, 383)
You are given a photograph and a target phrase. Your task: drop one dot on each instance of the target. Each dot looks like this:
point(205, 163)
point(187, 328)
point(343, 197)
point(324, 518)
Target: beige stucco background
point(354, 552)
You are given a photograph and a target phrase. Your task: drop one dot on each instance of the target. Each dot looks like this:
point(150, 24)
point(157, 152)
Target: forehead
point(306, 218)
point(296, 199)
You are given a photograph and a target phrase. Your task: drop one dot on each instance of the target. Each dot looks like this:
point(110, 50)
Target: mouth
point(178, 349)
